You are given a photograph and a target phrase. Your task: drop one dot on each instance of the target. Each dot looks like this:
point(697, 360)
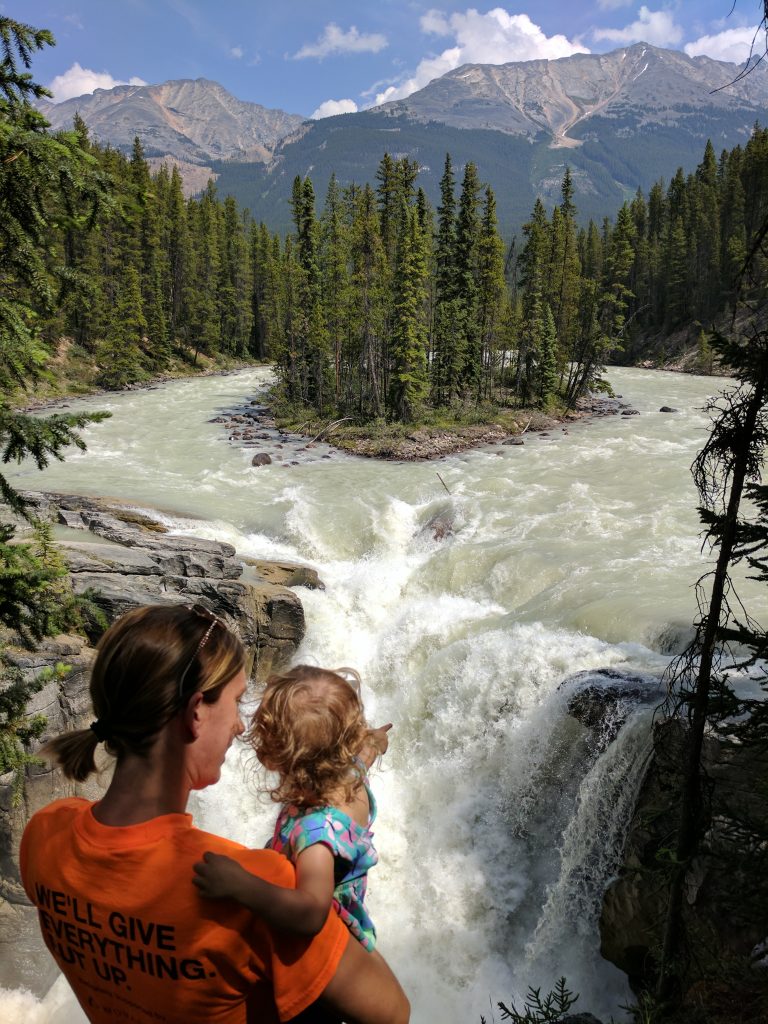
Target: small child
point(310, 729)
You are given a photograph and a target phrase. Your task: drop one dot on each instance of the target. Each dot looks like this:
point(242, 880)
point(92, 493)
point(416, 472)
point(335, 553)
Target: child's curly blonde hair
point(309, 728)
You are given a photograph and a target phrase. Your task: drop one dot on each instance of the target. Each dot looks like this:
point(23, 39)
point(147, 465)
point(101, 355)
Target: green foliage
point(50, 189)
point(17, 728)
point(35, 597)
point(537, 1010)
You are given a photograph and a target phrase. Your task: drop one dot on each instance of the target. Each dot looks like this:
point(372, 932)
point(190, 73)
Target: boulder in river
point(667, 408)
point(440, 525)
point(602, 699)
point(261, 459)
point(286, 574)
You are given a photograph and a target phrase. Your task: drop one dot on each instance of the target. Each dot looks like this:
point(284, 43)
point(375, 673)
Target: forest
point(376, 305)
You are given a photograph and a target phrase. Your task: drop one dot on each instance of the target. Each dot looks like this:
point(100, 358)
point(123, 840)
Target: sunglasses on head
point(213, 621)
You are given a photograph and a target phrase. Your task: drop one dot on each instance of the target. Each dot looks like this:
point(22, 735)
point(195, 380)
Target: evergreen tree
point(178, 261)
point(409, 384)
point(121, 354)
point(204, 315)
point(533, 270)
point(45, 182)
point(467, 240)
point(235, 299)
point(41, 179)
point(491, 293)
point(334, 274)
point(548, 374)
point(369, 276)
point(565, 272)
point(449, 330)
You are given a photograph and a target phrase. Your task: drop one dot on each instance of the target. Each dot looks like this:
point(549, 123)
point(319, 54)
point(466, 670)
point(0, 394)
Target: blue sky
point(320, 57)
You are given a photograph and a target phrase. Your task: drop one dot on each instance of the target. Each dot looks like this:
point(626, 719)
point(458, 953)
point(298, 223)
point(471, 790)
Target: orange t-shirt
point(139, 945)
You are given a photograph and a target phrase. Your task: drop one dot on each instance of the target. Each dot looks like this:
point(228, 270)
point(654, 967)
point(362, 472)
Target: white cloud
point(78, 81)
point(658, 28)
point(734, 44)
point(236, 52)
point(493, 38)
point(332, 107)
point(336, 40)
point(613, 5)
point(435, 21)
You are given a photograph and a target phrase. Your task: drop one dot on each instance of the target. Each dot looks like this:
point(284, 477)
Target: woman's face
point(219, 724)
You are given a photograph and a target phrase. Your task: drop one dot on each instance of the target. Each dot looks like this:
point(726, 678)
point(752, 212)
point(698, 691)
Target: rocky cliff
point(125, 559)
point(725, 906)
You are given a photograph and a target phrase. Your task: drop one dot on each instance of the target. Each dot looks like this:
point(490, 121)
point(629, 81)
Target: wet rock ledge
point(125, 559)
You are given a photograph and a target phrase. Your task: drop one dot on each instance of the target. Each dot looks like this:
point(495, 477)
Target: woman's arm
point(302, 910)
point(376, 743)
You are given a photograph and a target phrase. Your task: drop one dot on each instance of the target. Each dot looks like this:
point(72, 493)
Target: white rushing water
point(498, 824)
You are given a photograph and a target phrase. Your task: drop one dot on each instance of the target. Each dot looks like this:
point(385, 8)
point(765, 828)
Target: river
point(498, 826)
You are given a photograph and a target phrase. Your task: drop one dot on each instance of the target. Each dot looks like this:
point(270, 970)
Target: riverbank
point(72, 374)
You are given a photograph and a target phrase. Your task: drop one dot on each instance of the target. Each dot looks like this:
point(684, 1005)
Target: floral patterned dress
point(353, 852)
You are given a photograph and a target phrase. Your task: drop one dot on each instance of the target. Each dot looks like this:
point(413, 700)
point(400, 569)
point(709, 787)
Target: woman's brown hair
point(309, 728)
point(148, 664)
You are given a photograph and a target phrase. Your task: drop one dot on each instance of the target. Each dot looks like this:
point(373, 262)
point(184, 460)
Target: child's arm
point(376, 743)
point(302, 910)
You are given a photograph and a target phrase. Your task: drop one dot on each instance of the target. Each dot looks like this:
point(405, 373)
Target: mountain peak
point(191, 119)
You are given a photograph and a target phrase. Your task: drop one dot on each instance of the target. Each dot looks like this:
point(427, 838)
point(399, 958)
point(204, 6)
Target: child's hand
point(218, 877)
point(379, 738)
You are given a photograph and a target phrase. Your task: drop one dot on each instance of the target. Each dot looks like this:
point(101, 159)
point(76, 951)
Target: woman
point(112, 880)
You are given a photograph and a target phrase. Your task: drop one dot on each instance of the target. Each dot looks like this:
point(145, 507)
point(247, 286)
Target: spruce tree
point(178, 261)
point(46, 183)
point(408, 378)
point(491, 293)
point(121, 354)
point(368, 306)
point(334, 273)
point(449, 334)
point(467, 240)
point(533, 270)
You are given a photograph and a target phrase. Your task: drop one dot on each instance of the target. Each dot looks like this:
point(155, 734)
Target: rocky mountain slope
point(642, 83)
point(192, 120)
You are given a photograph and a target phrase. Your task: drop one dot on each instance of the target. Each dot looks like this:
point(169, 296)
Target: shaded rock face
point(126, 560)
point(725, 903)
point(66, 705)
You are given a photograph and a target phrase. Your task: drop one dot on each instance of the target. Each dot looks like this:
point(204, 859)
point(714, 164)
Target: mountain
point(191, 120)
point(620, 120)
point(639, 86)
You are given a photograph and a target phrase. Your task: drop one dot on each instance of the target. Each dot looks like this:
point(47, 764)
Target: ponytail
point(73, 752)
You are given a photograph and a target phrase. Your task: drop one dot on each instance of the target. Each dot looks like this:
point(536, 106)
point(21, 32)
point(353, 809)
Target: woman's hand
point(219, 877)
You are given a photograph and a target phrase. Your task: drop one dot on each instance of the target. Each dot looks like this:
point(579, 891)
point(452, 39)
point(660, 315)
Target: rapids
point(498, 824)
